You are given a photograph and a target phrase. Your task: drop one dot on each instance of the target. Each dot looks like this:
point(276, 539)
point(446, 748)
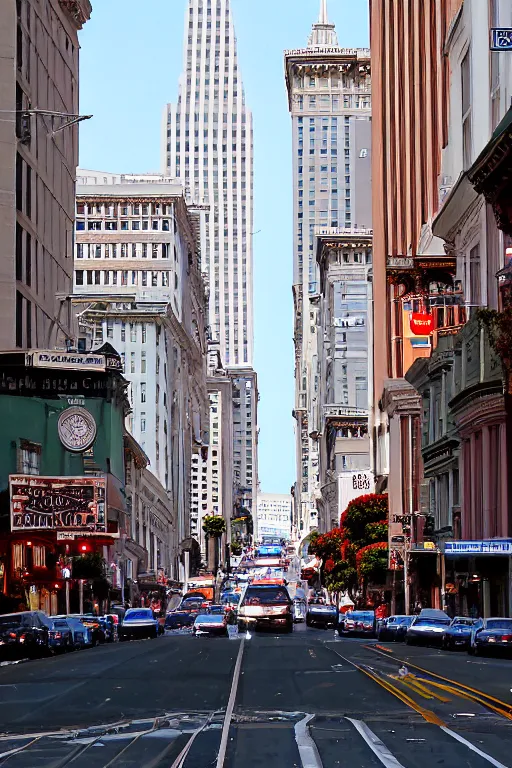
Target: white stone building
point(138, 286)
point(274, 515)
point(329, 97)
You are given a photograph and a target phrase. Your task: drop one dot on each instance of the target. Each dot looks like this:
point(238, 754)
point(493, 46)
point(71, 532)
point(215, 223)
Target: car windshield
point(463, 622)
point(431, 622)
point(134, 615)
point(207, 619)
point(499, 624)
point(266, 596)
point(361, 615)
point(231, 598)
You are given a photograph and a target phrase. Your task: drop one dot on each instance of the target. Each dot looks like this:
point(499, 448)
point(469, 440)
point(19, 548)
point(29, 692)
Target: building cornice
point(79, 11)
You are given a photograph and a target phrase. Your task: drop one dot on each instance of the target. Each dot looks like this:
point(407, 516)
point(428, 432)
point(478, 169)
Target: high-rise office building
point(330, 102)
point(208, 144)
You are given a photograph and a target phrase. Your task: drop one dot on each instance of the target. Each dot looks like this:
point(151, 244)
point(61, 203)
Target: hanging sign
point(422, 324)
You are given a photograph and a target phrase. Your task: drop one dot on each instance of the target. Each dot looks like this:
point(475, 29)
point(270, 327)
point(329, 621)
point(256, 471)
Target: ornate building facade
point(329, 98)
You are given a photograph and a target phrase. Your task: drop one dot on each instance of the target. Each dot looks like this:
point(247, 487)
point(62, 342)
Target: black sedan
point(394, 628)
point(24, 634)
point(493, 634)
point(458, 634)
point(138, 623)
point(321, 615)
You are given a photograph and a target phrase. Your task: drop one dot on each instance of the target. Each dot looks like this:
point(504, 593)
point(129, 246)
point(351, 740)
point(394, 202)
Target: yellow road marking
point(409, 683)
point(419, 685)
point(507, 711)
point(469, 696)
point(429, 716)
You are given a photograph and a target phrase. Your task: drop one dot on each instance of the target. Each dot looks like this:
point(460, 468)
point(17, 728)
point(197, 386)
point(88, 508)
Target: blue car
point(491, 635)
point(458, 634)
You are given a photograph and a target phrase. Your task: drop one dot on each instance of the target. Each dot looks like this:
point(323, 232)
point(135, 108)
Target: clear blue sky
point(131, 59)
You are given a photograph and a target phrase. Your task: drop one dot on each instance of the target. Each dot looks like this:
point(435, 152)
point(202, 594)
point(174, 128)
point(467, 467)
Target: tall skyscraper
point(329, 101)
point(208, 144)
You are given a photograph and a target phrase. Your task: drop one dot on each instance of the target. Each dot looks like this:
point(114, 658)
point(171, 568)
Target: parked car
point(458, 634)
point(265, 606)
point(357, 623)
point(138, 623)
point(109, 627)
point(321, 614)
point(211, 624)
point(180, 619)
point(394, 628)
point(492, 634)
point(82, 635)
point(428, 627)
point(95, 626)
point(60, 635)
point(24, 634)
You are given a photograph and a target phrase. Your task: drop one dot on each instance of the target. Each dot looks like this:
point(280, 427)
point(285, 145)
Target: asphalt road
point(308, 700)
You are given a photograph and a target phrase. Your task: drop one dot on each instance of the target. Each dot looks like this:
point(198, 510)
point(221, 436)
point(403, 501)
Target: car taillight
point(506, 638)
point(57, 635)
point(13, 634)
point(367, 626)
point(116, 619)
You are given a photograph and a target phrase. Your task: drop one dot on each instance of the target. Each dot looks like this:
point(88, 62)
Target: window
point(143, 362)
point(154, 279)
point(110, 329)
point(133, 332)
point(124, 277)
point(142, 422)
point(144, 278)
point(29, 458)
point(143, 392)
point(474, 276)
point(465, 74)
point(154, 251)
point(79, 277)
point(132, 362)
point(144, 250)
point(144, 333)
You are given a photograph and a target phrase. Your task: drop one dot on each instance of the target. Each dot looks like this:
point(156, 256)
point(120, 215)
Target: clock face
point(77, 429)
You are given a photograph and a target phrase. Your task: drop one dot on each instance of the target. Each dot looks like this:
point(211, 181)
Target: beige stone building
point(38, 157)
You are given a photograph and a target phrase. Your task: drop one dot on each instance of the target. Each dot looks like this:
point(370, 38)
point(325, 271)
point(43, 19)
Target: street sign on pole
point(501, 39)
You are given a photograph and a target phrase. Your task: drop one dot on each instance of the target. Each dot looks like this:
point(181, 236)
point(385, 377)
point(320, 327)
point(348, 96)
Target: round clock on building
point(77, 429)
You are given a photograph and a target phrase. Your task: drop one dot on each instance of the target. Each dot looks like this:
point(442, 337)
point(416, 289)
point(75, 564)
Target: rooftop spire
point(322, 19)
point(323, 34)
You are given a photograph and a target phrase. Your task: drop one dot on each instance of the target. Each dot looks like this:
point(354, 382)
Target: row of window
point(144, 225)
point(115, 210)
point(145, 278)
point(330, 103)
point(125, 250)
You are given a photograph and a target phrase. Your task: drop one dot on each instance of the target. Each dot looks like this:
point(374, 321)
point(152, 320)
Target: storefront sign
point(421, 323)
point(501, 39)
point(353, 484)
point(65, 360)
point(63, 504)
point(487, 547)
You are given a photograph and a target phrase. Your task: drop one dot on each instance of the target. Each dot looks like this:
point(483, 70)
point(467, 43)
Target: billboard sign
point(61, 504)
point(501, 39)
point(354, 484)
